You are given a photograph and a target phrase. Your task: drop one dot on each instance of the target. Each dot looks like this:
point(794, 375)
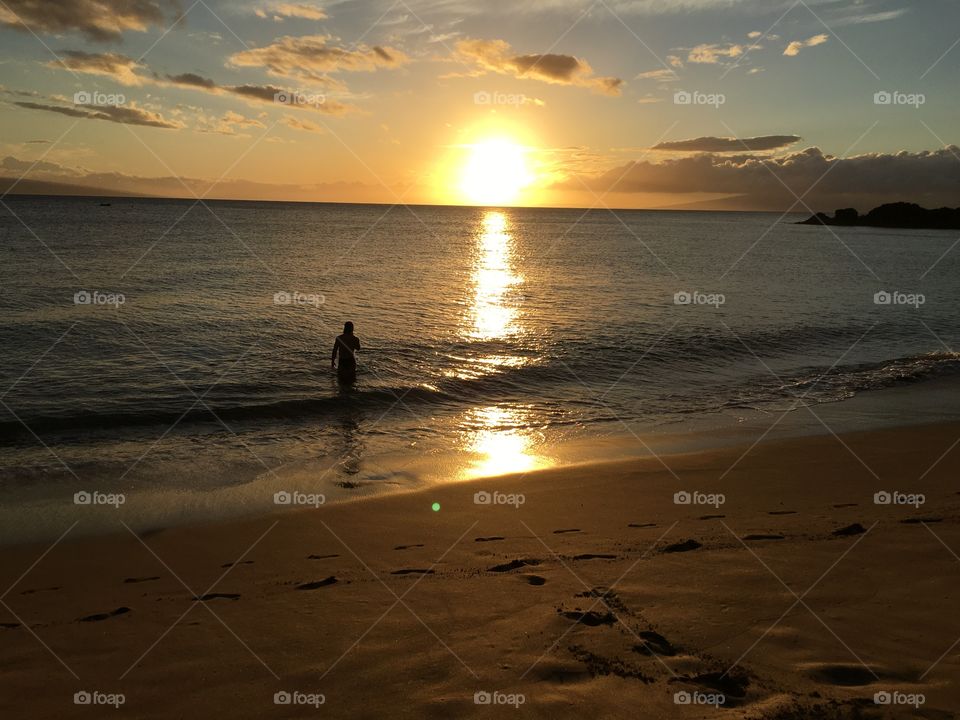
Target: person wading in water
point(346, 346)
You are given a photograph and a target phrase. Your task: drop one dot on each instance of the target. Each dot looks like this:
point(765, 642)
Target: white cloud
point(794, 48)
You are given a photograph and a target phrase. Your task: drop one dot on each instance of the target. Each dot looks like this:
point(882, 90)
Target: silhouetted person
point(346, 346)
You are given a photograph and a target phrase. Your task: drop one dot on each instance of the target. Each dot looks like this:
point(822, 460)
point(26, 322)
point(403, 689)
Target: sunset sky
point(620, 103)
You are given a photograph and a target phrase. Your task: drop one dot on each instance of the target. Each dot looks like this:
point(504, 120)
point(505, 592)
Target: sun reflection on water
point(500, 444)
point(497, 438)
point(494, 311)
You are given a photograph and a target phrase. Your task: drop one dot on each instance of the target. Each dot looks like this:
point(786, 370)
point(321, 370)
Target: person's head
point(348, 328)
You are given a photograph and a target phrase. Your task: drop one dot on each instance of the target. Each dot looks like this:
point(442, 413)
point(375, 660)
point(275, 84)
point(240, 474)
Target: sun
point(495, 172)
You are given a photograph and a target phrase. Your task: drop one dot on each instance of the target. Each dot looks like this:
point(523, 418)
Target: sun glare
point(495, 172)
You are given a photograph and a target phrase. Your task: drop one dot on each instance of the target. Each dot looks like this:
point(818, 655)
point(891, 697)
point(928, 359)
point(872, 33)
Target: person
point(346, 346)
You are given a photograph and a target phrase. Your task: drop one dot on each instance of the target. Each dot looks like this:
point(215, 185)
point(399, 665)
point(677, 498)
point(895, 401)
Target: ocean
point(178, 353)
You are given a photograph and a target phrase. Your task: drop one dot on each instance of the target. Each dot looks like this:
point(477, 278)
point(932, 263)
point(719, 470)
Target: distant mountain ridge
point(892, 215)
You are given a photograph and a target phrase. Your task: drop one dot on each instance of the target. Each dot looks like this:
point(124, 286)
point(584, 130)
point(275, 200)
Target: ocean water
point(179, 353)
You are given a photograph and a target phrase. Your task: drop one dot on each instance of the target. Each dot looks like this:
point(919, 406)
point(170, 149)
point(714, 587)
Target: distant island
point(892, 215)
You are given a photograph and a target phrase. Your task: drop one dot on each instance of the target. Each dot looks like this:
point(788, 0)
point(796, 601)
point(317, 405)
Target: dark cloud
point(728, 144)
point(927, 177)
point(121, 68)
point(99, 20)
point(261, 93)
point(497, 56)
point(124, 114)
point(191, 80)
point(310, 57)
point(268, 94)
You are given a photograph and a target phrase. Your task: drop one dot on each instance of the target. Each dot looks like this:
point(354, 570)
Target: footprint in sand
point(654, 644)
point(565, 531)
point(685, 546)
point(594, 556)
point(642, 525)
point(239, 562)
point(141, 579)
point(413, 571)
point(591, 618)
point(36, 590)
point(488, 539)
point(104, 616)
point(759, 536)
point(917, 521)
point(535, 579)
point(855, 529)
point(513, 565)
point(318, 584)
point(217, 596)
point(407, 547)
point(321, 557)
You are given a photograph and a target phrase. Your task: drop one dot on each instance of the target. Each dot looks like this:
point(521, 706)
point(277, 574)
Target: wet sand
point(599, 595)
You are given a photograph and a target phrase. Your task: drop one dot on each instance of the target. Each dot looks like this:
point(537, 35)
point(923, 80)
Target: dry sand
point(597, 597)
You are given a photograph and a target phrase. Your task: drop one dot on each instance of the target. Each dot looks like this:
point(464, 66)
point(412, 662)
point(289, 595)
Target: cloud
point(124, 114)
point(229, 122)
point(497, 56)
point(300, 10)
point(728, 144)
point(99, 20)
point(267, 94)
point(927, 177)
point(191, 80)
point(712, 54)
point(866, 18)
point(661, 75)
point(115, 66)
point(310, 57)
point(794, 48)
point(300, 124)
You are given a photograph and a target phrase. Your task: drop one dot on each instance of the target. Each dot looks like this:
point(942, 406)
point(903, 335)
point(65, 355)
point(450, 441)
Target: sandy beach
point(783, 590)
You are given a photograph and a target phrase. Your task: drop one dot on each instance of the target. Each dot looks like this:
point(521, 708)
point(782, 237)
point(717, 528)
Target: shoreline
point(155, 509)
point(598, 591)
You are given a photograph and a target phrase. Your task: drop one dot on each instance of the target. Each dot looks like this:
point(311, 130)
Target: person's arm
point(333, 357)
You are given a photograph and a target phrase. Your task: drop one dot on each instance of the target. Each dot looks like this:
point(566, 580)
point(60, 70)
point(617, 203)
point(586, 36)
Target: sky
point(700, 104)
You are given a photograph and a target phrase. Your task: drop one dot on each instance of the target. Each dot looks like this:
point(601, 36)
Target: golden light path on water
point(495, 438)
point(493, 312)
